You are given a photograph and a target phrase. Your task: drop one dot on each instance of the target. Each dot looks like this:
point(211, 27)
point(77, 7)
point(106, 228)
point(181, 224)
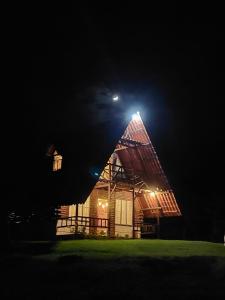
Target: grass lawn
point(138, 248)
point(130, 269)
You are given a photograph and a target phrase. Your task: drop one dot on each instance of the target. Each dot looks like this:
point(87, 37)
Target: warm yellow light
point(103, 203)
point(152, 194)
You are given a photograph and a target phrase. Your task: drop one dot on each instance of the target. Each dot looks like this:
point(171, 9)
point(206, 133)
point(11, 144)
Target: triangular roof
point(142, 158)
point(135, 154)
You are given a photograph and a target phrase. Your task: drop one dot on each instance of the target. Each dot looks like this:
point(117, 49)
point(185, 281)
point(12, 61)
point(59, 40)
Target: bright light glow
point(152, 194)
point(115, 98)
point(102, 203)
point(96, 174)
point(136, 116)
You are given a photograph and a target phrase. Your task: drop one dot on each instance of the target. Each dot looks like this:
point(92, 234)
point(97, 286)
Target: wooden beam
point(99, 186)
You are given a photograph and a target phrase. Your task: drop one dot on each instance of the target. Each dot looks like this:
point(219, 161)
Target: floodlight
point(136, 116)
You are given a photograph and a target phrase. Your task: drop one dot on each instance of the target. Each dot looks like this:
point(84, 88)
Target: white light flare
point(136, 117)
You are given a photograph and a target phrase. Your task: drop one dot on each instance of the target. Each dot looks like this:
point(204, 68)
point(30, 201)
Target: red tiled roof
point(145, 163)
point(163, 203)
point(143, 158)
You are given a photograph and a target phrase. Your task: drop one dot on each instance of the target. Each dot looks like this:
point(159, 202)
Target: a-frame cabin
point(131, 188)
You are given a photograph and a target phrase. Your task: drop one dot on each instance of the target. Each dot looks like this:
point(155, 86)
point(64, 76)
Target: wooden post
point(158, 224)
point(76, 220)
point(133, 212)
point(93, 212)
point(158, 216)
point(111, 207)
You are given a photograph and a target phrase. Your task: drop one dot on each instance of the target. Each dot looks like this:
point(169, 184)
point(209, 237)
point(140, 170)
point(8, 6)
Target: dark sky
point(168, 63)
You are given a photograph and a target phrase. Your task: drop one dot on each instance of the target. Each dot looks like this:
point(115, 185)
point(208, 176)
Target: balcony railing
point(82, 221)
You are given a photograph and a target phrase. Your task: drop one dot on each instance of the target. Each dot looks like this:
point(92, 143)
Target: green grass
point(129, 269)
point(138, 248)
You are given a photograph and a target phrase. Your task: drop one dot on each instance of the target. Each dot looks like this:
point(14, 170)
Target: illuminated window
point(123, 212)
point(57, 161)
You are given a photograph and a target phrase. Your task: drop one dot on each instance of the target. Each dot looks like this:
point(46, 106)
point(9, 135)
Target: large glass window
point(123, 212)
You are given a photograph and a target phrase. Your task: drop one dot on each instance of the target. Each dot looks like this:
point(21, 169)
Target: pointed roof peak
point(136, 130)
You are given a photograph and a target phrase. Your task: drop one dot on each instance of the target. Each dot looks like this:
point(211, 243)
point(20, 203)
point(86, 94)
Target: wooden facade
point(132, 187)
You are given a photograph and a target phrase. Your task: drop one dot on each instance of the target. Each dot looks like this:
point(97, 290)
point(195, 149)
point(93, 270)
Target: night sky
point(64, 66)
